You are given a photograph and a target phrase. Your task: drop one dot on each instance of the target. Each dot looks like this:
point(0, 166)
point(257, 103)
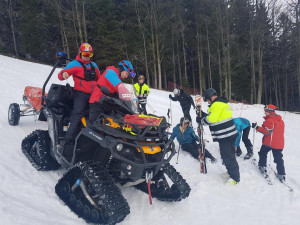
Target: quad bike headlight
point(119, 147)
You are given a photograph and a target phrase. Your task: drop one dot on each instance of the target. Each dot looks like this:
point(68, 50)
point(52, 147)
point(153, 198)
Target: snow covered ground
point(28, 196)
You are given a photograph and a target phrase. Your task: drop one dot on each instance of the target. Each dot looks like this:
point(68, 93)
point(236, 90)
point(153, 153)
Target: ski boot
point(231, 181)
point(281, 178)
point(263, 169)
point(250, 153)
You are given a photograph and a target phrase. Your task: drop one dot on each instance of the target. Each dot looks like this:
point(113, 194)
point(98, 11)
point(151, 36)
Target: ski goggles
point(131, 72)
point(87, 54)
point(267, 108)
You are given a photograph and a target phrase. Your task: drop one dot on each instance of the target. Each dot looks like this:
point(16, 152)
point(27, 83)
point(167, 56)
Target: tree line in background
point(245, 49)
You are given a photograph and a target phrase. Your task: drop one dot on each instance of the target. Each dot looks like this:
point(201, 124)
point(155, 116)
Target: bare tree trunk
point(12, 27)
point(153, 47)
point(220, 69)
point(144, 40)
point(179, 67)
point(75, 28)
point(260, 74)
point(184, 55)
point(193, 77)
point(208, 52)
point(84, 22)
point(199, 54)
point(62, 28)
point(253, 87)
point(173, 58)
point(78, 21)
point(298, 45)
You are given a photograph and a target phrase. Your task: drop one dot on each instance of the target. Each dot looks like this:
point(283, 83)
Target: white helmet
point(176, 91)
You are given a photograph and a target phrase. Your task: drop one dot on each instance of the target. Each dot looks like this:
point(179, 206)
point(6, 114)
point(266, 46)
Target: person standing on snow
point(273, 140)
point(111, 79)
point(243, 128)
point(185, 101)
point(187, 138)
point(223, 130)
point(85, 75)
point(142, 92)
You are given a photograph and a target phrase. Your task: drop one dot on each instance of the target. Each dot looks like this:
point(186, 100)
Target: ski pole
point(171, 111)
point(178, 153)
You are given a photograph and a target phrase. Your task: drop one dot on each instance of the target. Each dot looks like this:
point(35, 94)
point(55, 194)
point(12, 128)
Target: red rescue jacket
point(111, 79)
point(273, 131)
point(75, 68)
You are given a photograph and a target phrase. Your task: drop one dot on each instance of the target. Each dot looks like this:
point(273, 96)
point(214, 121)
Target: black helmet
point(209, 93)
point(182, 120)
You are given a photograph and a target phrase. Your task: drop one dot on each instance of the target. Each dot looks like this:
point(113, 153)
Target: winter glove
point(170, 96)
point(254, 125)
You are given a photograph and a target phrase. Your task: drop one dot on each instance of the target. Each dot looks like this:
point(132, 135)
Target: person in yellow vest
point(142, 92)
point(223, 130)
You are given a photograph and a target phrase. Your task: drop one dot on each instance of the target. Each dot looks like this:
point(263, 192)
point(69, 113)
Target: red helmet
point(270, 108)
point(85, 47)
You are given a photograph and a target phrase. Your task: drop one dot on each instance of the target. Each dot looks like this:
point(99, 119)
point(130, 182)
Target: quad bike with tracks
point(121, 149)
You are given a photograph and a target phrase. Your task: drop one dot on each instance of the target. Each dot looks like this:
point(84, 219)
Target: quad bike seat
point(60, 97)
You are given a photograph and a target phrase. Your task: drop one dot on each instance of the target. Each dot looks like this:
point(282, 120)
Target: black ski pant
point(277, 154)
point(245, 137)
point(228, 156)
point(80, 104)
point(192, 148)
point(142, 108)
point(186, 113)
point(96, 109)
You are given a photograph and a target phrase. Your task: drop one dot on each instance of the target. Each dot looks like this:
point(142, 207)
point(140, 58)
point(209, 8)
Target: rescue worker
point(223, 130)
point(85, 74)
point(111, 79)
point(142, 92)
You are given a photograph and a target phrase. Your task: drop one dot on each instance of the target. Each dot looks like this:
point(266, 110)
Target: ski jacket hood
point(273, 131)
point(76, 69)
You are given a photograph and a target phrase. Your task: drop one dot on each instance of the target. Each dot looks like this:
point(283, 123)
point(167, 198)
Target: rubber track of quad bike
point(178, 191)
point(116, 206)
point(44, 161)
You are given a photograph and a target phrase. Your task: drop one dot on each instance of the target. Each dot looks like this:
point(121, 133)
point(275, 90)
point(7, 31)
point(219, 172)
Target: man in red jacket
point(85, 75)
point(273, 139)
point(112, 80)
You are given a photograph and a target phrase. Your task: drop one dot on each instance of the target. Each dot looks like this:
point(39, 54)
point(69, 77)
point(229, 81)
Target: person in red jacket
point(85, 74)
point(273, 139)
point(111, 79)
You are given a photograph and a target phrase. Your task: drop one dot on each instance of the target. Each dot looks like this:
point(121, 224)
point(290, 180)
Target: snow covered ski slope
point(28, 196)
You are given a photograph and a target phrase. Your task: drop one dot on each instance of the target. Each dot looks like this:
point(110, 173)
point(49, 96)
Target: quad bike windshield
point(127, 95)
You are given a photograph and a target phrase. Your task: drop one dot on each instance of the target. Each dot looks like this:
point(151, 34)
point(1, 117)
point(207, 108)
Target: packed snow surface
point(28, 196)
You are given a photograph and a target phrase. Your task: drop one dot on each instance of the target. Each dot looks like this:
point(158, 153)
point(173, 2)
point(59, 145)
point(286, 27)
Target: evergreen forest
point(248, 50)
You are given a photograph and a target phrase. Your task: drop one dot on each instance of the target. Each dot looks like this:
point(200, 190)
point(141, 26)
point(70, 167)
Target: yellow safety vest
point(145, 88)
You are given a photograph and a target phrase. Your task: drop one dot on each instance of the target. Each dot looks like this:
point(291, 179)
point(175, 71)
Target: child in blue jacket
point(187, 138)
point(243, 128)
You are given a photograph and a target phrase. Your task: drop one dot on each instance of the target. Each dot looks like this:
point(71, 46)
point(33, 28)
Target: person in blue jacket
point(243, 128)
point(187, 138)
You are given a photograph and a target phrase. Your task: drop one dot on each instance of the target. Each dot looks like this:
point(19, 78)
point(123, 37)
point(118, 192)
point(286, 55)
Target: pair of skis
point(203, 169)
point(268, 179)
